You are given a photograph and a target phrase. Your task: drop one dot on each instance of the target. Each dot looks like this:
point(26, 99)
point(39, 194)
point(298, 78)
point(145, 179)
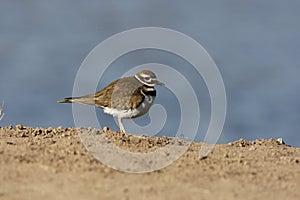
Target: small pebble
point(252, 148)
point(10, 143)
point(280, 141)
point(226, 155)
point(19, 127)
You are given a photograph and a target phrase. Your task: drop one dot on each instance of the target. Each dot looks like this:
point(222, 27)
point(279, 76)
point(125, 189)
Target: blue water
point(254, 43)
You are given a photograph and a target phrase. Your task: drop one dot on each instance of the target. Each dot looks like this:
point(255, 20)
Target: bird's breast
point(144, 107)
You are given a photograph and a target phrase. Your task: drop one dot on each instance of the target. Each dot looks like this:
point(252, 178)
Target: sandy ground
point(52, 163)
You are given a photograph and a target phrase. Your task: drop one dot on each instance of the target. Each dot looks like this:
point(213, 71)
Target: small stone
point(19, 127)
point(105, 128)
point(38, 132)
point(203, 157)
point(280, 141)
point(10, 143)
point(252, 148)
point(23, 134)
point(226, 155)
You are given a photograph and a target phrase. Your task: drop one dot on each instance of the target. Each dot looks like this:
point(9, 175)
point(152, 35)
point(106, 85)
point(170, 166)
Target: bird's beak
point(159, 83)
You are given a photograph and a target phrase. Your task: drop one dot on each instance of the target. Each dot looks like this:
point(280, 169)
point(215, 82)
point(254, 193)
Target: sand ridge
point(52, 163)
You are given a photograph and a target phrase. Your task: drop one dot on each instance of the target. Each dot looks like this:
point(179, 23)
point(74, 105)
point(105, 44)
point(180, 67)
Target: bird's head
point(148, 78)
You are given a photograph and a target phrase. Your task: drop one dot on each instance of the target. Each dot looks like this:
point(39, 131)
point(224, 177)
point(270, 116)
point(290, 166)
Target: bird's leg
point(122, 129)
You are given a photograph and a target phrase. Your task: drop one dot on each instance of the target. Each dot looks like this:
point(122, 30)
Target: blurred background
point(255, 44)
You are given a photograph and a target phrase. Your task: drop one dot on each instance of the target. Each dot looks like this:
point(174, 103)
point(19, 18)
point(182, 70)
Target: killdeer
point(125, 98)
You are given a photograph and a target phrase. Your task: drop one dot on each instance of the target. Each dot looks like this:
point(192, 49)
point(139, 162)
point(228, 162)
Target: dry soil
point(53, 163)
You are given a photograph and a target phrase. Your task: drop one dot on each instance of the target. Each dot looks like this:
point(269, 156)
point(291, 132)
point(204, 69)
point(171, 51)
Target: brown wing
point(121, 94)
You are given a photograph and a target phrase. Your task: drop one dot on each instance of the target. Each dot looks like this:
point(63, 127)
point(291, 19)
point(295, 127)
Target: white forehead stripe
point(151, 85)
point(144, 75)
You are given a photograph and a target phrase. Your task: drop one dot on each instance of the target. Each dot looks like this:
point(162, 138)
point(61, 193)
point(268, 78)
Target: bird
point(124, 98)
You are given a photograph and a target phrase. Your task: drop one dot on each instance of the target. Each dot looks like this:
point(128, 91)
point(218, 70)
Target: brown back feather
point(121, 94)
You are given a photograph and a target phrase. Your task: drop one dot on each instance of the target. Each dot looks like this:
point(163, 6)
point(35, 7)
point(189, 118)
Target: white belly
point(132, 113)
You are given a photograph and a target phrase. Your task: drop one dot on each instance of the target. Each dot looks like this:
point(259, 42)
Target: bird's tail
point(88, 99)
point(66, 100)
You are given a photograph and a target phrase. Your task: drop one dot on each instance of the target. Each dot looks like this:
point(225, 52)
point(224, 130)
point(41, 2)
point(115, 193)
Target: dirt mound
point(52, 163)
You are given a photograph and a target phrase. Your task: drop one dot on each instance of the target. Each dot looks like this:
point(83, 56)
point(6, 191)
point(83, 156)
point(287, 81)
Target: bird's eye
point(147, 79)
